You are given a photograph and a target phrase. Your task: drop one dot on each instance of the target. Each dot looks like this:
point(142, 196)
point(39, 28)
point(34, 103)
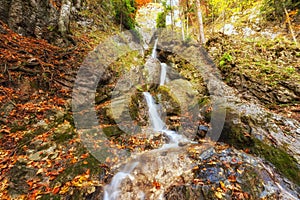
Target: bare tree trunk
point(290, 25)
point(187, 25)
point(182, 19)
point(172, 14)
point(64, 17)
point(201, 29)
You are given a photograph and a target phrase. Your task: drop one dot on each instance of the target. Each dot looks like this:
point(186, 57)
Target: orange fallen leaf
point(83, 156)
point(55, 190)
point(156, 185)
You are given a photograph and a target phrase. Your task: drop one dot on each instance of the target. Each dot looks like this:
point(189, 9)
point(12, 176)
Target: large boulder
point(178, 96)
point(153, 70)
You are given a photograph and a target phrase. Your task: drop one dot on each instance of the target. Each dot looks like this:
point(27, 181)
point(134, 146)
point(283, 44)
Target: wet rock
point(202, 130)
point(152, 66)
point(217, 175)
point(172, 74)
point(207, 154)
point(217, 171)
point(264, 134)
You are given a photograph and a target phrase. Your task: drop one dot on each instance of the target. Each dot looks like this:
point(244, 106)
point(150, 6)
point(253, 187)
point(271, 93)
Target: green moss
point(166, 96)
point(64, 136)
point(126, 62)
point(15, 126)
point(112, 131)
point(285, 163)
point(225, 59)
point(134, 105)
point(203, 101)
point(234, 135)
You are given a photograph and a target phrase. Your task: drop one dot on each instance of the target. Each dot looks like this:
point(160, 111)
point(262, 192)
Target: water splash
point(153, 55)
point(112, 191)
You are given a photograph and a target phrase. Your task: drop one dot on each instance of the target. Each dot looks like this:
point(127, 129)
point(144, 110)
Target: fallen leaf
point(55, 190)
point(218, 195)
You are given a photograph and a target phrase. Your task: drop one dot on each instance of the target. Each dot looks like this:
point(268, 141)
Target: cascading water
point(112, 191)
point(156, 121)
point(158, 124)
point(153, 55)
point(163, 73)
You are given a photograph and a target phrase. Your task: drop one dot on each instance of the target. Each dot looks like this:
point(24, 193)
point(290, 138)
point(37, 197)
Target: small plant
point(290, 70)
point(51, 28)
point(161, 20)
point(225, 59)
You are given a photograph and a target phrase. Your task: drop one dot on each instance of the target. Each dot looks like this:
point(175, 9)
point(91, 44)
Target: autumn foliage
point(35, 80)
point(141, 3)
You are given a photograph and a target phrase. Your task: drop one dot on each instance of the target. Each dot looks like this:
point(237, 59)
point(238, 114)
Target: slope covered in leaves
point(39, 148)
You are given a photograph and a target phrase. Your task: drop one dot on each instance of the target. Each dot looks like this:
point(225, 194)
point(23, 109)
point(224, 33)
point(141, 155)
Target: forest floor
point(37, 132)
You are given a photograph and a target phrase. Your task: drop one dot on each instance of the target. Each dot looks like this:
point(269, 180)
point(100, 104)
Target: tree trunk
point(200, 23)
point(64, 17)
point(172, 14)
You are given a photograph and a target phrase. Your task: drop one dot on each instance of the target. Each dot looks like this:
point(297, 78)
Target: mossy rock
point(112, 131)
point(178, 96)
point(239, 136)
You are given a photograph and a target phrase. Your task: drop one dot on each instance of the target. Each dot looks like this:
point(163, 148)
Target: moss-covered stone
point(239, 136)
point(112, 131)
point(284, 162)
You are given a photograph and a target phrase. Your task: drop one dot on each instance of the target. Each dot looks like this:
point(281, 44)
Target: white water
point(111, 191)
point(163, 73)
point(158, 124)
point(153, 55)
point(156, 121)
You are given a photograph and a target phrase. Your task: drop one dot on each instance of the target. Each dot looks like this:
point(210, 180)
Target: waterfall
point(112, 191)
point(156, 121)
point(158, 124)
point(163, 73)
point(153, 55)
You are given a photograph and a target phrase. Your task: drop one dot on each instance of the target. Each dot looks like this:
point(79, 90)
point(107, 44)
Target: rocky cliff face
point(43, 19)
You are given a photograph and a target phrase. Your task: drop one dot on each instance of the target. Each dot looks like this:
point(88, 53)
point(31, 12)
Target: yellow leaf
point(64, 189)
point(222, 185)
point(41, 170)
point(219, 195)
